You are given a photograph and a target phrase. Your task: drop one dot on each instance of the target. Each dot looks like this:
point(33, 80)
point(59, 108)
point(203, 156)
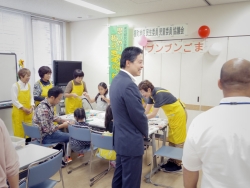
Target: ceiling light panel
point(90, 6)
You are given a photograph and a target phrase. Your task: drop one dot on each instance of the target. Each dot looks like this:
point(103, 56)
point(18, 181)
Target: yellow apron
point(176, 119)
point(18, 115)
point(44, 93)
point(143, 102)
point(45, 90)
point(71, 103)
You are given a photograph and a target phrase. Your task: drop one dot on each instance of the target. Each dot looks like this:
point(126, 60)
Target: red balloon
point(204, 31)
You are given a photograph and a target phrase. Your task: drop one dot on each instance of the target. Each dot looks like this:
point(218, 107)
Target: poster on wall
point(162, 31)
point(118, 41)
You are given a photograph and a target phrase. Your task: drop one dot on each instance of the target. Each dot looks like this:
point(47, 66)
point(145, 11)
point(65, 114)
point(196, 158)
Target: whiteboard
point(8, 72)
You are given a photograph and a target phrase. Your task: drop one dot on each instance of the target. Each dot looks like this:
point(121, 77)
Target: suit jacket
point(130, 121)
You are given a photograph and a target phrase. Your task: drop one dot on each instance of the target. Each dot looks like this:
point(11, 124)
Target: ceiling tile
point(63, 10)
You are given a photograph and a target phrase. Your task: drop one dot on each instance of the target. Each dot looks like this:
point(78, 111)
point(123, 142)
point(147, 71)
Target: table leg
point(164, 141)
point(155, 167)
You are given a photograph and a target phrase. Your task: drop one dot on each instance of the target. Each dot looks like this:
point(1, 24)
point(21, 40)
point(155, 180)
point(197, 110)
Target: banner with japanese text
point(162, 31)
point(118, 41)
point(177, 46)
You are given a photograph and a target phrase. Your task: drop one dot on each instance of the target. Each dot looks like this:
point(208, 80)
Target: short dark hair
point(79, 114)
point(44, 70)
point(55, 92)
point(145, 84)
point(129, 53)
point(78, 73)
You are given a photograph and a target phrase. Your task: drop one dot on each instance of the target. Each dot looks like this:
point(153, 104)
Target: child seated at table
point(80, 146)
point(109, 119)
point(108, 154)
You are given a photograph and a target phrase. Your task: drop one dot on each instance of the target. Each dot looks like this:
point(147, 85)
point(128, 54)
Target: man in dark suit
point(130, 122)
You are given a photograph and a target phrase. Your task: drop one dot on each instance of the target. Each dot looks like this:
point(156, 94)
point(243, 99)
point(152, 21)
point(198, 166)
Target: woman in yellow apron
point(74, 91)
point(175, 111)
point(43, 85)
point(23, 102)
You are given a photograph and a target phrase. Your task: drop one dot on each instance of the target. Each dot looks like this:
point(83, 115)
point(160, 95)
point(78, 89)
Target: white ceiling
point(63, 10)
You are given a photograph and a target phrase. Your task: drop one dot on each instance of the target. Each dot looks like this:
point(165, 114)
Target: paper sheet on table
point(95, 112)
point(158, 121)
point(152, 129)
point(96, 122)
point(68, 117)
point(101, 115)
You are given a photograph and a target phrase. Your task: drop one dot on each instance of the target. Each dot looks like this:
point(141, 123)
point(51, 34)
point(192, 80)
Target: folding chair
point(81, 134)
point(169, 152)
point(22, 183)
point(40, 172)
point(103, 142)
point(34, 132)
point(148, 142)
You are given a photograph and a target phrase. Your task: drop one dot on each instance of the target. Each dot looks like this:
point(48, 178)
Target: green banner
point(118, 41)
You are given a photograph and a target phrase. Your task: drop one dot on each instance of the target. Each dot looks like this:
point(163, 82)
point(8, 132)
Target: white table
point(96, 119)
point(32, 153)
